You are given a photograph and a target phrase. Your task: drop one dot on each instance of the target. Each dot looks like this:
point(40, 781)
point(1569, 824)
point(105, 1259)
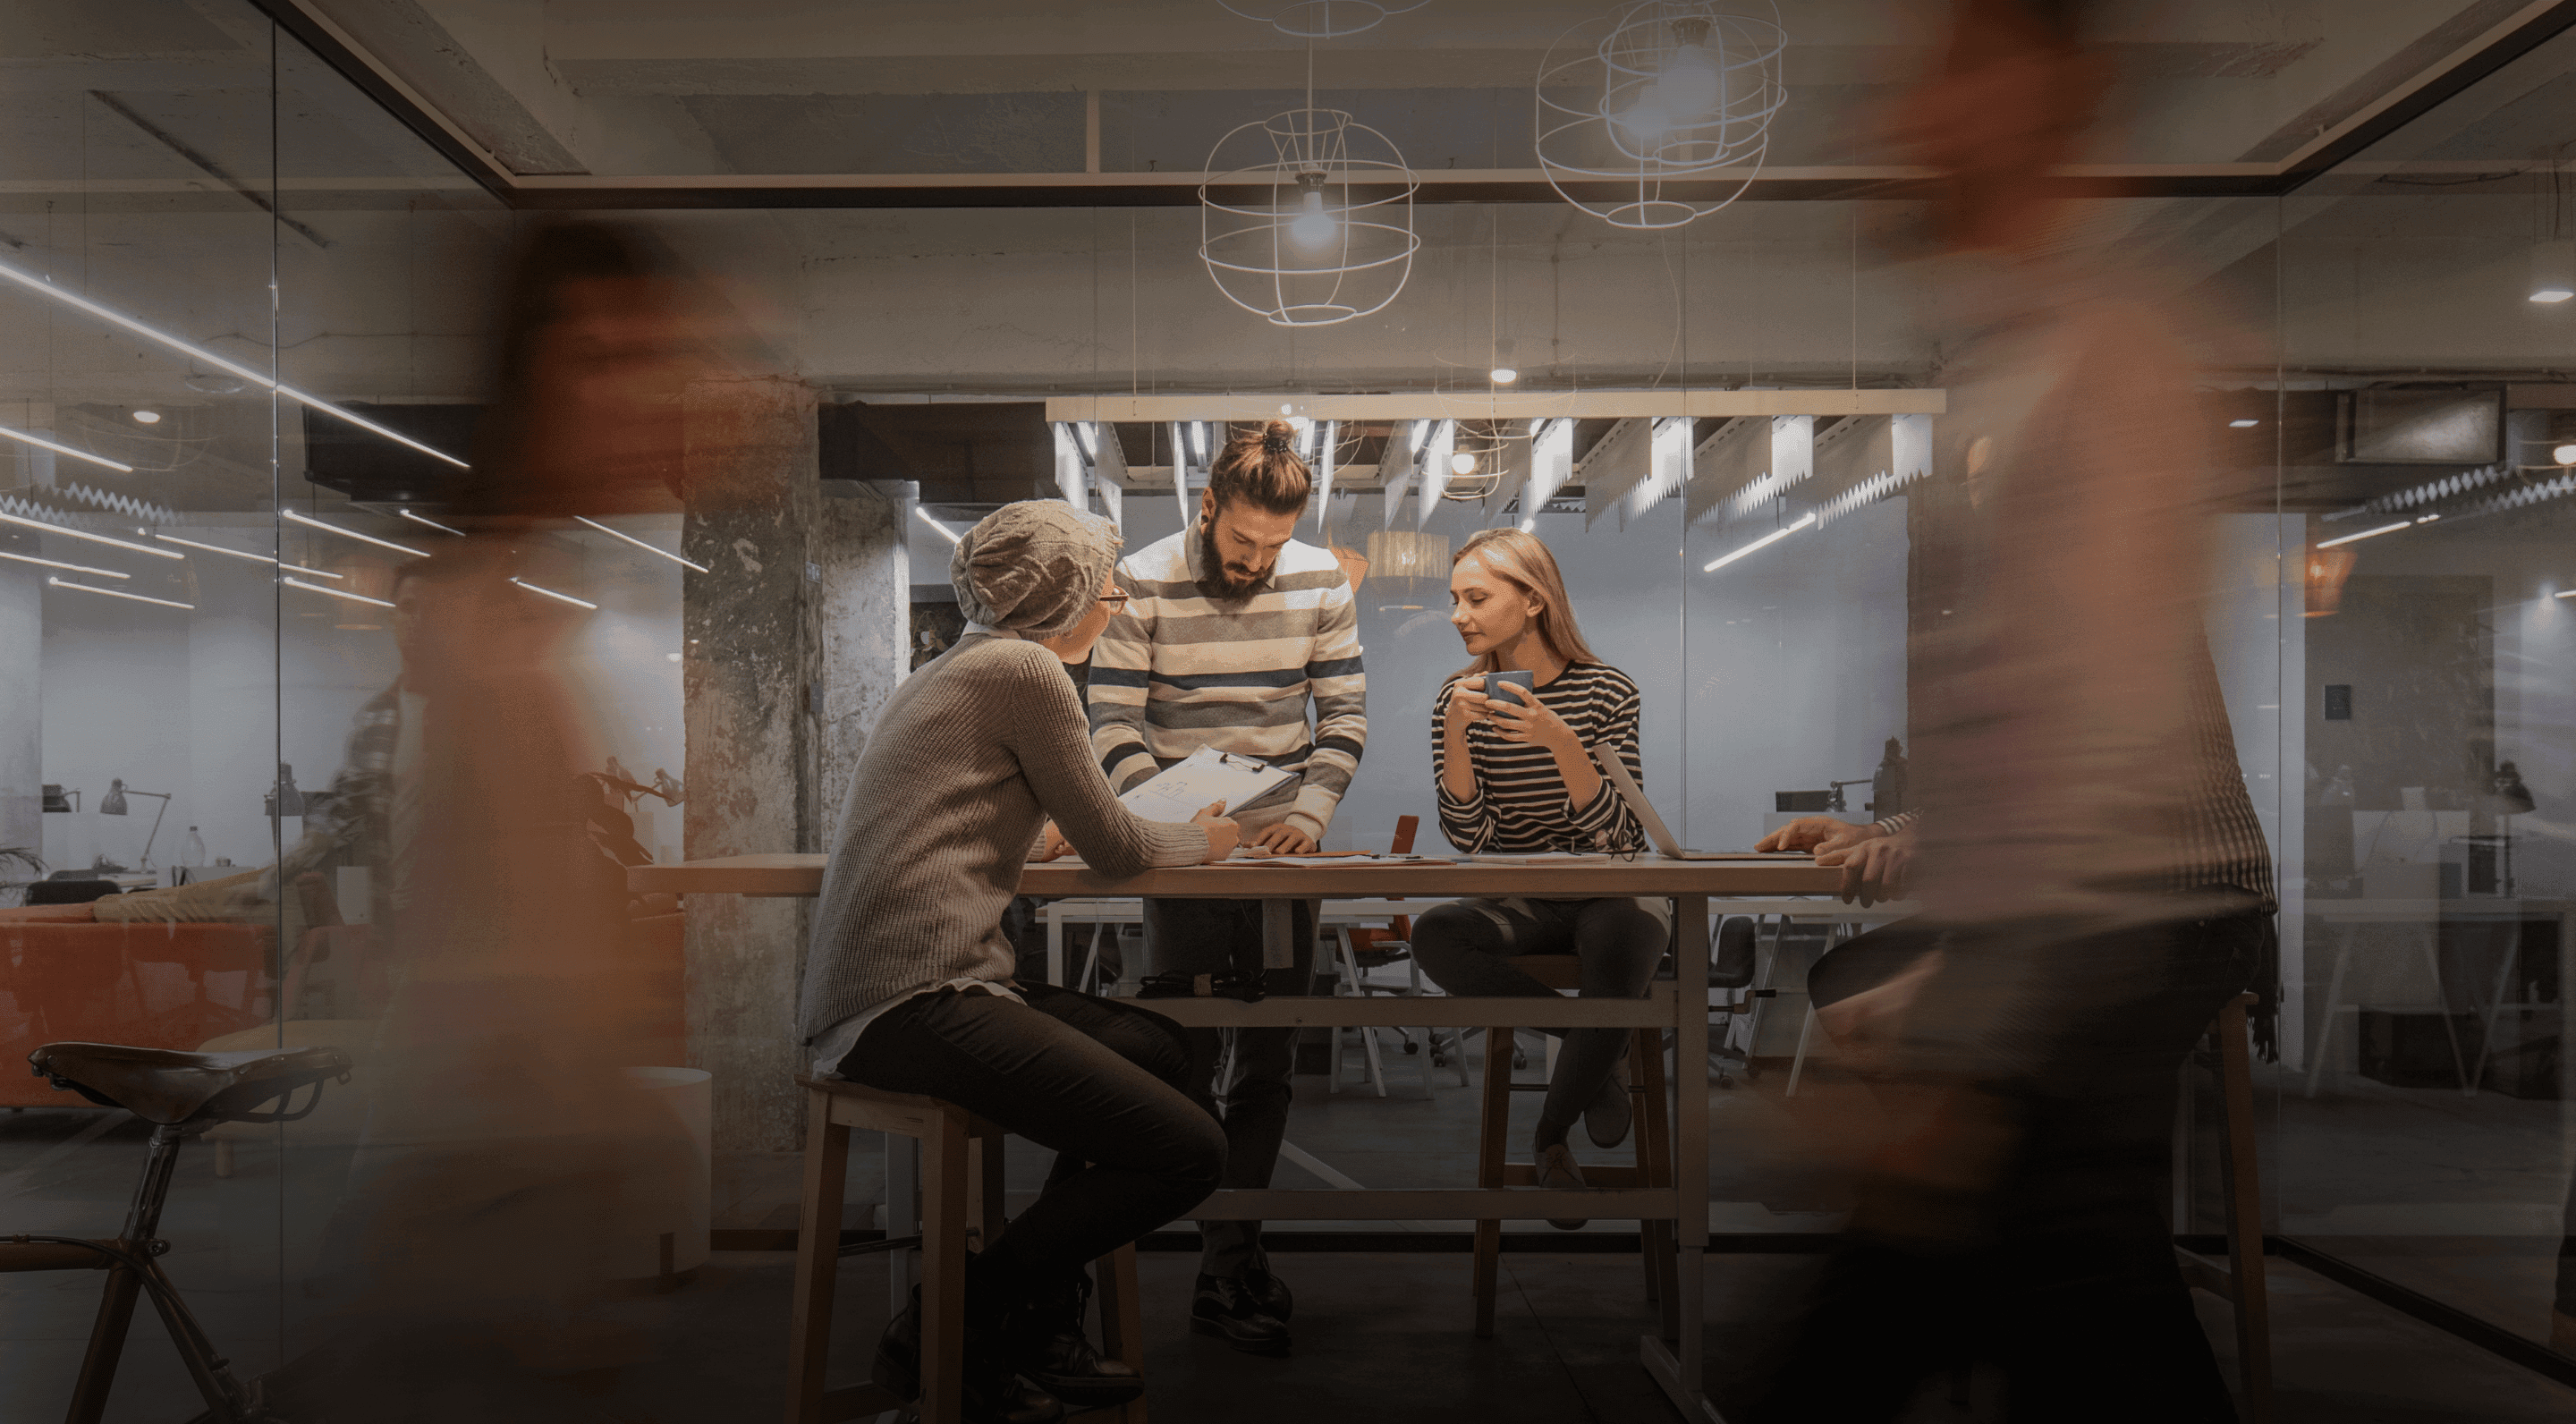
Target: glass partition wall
point(2424, 423)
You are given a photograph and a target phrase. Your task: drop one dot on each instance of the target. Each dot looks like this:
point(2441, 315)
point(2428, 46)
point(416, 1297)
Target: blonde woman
point(1519, 777)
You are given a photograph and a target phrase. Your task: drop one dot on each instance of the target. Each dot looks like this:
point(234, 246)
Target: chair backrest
point(69, 892)
point(1731, 953)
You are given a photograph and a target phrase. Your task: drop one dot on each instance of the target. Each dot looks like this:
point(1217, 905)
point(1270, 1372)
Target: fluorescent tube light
point(335, 592)
point(640, 544)
point(432, 523)
point(38, 440)
point(52, 582)
point(113, 317)
point(2367, 534)
point(312, 523)
point(51, 528)
point(1765, 542)
point(2571, 593)
point(924, 516)
point(2243, 424)
point(243, 554)
point(59, 564)
point(559, 597)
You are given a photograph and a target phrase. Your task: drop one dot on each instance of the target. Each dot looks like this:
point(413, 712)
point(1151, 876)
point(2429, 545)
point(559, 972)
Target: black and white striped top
point(1521, 805)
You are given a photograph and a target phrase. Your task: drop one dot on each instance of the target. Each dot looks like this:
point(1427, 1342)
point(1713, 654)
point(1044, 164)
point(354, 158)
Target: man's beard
point(1219, 582)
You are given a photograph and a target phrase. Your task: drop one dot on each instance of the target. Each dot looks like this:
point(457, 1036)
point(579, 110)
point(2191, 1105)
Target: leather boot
point(1225, 1307)
point(991, 1393)
point(1276, 1300)
point(1045, 1338)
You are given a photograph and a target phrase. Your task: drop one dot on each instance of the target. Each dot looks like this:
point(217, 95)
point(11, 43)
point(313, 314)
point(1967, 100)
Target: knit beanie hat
point(1034, 567)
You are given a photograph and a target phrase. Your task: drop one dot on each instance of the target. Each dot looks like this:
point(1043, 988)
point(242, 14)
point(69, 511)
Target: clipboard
point(1205, 775)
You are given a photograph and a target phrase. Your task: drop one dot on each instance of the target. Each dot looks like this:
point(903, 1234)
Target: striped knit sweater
point(1178, 671)
point(1521, 804)
point(972, 754)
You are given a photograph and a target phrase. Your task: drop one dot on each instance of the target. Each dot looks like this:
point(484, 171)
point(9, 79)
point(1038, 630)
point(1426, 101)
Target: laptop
point(1662, 835)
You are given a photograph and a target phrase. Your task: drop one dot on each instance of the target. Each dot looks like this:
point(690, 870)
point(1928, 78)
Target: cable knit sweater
point(975, 751)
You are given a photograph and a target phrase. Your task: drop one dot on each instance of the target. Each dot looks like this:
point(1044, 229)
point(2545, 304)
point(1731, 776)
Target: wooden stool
point(2240, 1283)
point(1653, 1134)
point(961, 1196)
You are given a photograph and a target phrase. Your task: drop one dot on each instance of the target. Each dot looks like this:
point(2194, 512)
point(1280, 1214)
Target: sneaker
point(1609, 1117)
point(1046, 1340)
point(992, 1393)
point(1225, 1307)
point(1557, 1172)
point(1272, 1292)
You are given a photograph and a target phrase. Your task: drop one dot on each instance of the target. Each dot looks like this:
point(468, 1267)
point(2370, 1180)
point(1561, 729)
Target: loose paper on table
point(1203, 776)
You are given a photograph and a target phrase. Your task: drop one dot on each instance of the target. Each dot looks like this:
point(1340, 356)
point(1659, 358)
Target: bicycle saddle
point(165, 1086)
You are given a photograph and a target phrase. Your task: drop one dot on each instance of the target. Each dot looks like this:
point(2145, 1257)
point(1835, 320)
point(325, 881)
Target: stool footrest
point(891, 1243)
point(856, 1401)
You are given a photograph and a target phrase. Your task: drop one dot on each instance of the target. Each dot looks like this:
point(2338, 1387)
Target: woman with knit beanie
point(908, 985)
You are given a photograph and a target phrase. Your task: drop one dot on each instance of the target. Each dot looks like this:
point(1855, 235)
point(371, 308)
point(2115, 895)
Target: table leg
point(1278, 934)
point(1055, 942)
point(2334, 998)
point(1677, 1368)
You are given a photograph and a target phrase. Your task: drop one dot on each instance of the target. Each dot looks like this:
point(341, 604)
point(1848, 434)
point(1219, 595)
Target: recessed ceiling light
point(147, 417)
point(2553, 294)
point(2243, 424)
point(1505, 375)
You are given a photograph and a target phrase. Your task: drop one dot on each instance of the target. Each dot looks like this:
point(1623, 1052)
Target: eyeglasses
point(1117, 601)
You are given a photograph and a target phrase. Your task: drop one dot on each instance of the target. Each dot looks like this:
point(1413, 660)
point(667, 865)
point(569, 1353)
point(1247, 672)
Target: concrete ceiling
point(150, 165)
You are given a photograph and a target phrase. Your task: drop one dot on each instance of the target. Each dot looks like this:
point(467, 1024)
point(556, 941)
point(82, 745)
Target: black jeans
point(1205, 937)
point(2061, 1269)
point(1465, 946)
point(1100, 1082)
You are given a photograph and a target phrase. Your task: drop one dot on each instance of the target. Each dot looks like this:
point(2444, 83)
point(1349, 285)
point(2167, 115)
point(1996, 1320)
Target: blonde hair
point(1522, 561)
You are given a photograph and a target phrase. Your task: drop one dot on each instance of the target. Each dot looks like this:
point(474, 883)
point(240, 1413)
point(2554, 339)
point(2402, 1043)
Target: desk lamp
point(113, 804)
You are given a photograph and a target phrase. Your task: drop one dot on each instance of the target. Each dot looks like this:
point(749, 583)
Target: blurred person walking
point(2088, 861)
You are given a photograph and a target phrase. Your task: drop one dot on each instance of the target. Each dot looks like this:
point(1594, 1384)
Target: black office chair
point(69, 892)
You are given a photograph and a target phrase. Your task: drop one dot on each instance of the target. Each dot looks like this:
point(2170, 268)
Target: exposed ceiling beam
point(1517, 405)
point(2515, 36)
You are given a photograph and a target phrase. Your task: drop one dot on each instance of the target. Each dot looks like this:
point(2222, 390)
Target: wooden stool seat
point(961, 1198)
point(1653, 1135)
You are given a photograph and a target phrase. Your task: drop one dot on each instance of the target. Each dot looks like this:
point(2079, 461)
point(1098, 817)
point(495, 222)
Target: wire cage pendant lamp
point(1307, 218)
point(1659, 113)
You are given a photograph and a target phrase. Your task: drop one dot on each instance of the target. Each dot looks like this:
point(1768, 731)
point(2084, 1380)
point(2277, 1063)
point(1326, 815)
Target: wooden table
point(1673, 1355)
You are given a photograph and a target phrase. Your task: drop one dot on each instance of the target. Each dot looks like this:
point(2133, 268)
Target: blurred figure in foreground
point(512, 1162)
point(2095, 883)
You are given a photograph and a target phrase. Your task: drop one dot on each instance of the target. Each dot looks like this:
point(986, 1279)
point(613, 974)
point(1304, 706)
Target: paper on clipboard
point(1203, 776)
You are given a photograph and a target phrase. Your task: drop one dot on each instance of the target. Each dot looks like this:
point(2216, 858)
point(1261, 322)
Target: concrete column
point(750, 625)
point(865, 601)
point(22, 723)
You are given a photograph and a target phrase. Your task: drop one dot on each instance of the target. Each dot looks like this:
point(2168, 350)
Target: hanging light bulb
point(1462, 463)
point(1685, 92)
point(1312, 227)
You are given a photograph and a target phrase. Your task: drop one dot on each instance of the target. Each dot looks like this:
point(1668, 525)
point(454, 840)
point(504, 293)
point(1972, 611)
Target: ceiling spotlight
point(147, 417)
point(1462, 463)
point(1503, 375)
point(2247, 424)
point(2564, 454)
point(2553, 271)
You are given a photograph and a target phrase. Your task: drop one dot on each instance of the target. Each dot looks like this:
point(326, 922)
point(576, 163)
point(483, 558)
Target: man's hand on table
point(1874, 869)
point(1284, 839)
point(1819, 834)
